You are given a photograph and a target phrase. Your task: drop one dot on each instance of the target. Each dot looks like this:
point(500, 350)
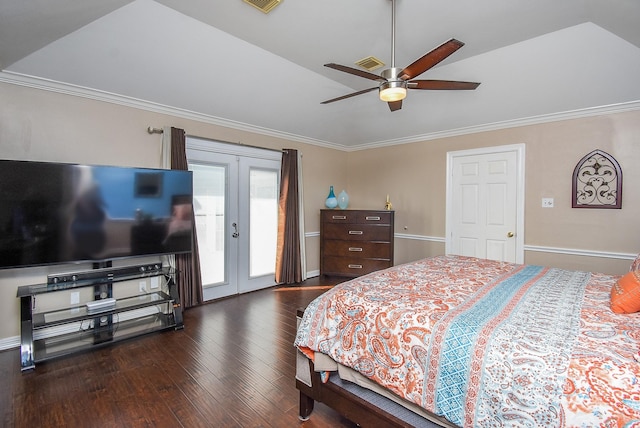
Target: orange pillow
point(625, 294)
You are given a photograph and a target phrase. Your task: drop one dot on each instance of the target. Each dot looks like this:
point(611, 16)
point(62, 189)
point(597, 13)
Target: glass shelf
point(30, 290)
point(79, 313)
point(85, 339)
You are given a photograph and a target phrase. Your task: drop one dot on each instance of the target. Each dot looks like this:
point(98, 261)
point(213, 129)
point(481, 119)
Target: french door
point(236, 208)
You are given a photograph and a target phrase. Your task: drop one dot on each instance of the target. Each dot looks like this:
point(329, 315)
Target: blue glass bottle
point(331, 201)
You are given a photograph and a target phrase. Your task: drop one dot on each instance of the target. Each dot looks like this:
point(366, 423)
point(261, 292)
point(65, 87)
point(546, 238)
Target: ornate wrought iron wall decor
point(597, 182)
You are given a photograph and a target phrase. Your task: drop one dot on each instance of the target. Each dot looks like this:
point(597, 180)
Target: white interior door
point(236, 207)
point(485, 203)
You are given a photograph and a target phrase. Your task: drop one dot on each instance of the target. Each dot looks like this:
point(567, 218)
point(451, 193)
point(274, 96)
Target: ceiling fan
point(394, 82)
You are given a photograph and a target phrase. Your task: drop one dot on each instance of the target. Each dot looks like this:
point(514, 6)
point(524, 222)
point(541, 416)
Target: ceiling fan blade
point(441, 84)
point(430, 59)
point(395, 105)
point(364, 91)
point(355, 71)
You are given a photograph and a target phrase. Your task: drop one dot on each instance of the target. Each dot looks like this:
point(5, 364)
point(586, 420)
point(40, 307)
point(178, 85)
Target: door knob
point(510, 235)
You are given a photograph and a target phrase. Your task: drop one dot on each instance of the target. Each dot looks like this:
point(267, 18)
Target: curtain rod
point(152, 130)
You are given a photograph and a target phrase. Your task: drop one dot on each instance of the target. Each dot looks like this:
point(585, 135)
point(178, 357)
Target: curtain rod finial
point(152, 130)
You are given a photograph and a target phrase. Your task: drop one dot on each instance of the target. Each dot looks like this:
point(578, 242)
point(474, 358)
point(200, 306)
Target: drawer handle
point(355, 249)
point(339, 217)
point(355, 266)
point(373, 217)
point(355, 232)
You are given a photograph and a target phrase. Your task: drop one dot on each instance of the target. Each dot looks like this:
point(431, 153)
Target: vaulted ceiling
point(226, 62)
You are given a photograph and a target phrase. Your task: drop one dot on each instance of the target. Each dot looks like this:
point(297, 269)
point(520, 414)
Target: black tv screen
point(53, 213)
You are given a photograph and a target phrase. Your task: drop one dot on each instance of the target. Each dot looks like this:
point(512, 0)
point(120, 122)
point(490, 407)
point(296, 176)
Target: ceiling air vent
point(264, 5)
point(370, 63)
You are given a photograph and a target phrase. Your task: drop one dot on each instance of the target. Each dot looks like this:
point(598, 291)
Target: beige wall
point(415, 177)
point(41, 125)
point(46, 126)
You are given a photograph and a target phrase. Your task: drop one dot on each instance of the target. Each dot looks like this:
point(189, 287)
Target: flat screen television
point(54, 213)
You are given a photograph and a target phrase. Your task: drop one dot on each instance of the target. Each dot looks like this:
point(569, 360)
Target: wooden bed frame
point(349, 405)
point(344, 402)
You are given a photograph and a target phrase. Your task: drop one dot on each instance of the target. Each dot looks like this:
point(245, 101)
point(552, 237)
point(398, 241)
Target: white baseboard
point(313, 273)
point(9, 343)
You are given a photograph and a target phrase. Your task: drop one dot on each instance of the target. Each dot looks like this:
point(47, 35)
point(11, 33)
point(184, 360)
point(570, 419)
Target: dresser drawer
point(362, 217)
point(365, 250)
point(373, 217)
point(352, 266)
point(336, 216)
point(356, 232)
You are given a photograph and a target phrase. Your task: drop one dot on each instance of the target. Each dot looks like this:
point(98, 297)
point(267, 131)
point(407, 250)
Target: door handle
point(235, 230)
point(510, 235)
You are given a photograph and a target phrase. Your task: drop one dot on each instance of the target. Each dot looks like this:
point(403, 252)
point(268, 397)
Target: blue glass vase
point(331, 201)
point(343, 200)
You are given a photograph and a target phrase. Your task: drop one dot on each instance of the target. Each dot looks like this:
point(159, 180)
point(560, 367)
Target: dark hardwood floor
point(233, 365)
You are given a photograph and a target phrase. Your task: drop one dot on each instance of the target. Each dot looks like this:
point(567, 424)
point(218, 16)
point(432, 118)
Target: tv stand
point(67, 329)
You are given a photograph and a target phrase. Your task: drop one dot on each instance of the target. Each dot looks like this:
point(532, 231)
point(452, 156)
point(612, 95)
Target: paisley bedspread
point(486, 343)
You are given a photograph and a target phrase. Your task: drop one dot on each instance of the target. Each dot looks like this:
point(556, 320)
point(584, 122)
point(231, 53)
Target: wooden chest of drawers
point(355, 242)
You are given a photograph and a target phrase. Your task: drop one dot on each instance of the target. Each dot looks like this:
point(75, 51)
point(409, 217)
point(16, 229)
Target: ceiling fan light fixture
point(393, 93)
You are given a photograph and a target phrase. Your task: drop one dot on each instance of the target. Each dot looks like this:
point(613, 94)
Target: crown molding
point(109, 97)
point(97, 95)
point(533, 120)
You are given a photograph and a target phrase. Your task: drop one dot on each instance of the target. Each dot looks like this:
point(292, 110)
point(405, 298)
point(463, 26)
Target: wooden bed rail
point(344, 402)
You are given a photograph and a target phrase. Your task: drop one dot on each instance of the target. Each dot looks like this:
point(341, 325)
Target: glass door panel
point(263, 221)
point(209, 182)
point(259, 212)
point(215, 203)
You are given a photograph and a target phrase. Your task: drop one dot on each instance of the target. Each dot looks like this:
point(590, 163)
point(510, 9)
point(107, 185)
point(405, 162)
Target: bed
point(459, 341)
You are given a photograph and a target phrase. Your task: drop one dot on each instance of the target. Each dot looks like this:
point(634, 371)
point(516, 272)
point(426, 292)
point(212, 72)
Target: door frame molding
point(519, 150)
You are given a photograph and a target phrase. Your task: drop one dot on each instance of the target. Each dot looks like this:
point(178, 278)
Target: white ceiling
point(226, 62)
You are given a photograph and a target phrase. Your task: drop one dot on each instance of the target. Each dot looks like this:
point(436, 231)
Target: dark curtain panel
point(188, 265)
point(288, 261)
